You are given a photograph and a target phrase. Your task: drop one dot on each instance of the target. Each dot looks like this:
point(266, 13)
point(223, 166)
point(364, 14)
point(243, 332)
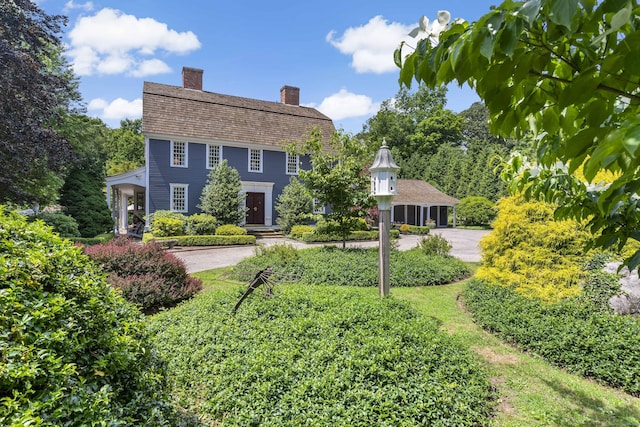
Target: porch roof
point(133, 177)
point(418, 192)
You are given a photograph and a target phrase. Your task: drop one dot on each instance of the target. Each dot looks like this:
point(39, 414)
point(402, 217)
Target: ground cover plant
point(316, 356)
point(577, 333)
point(73, 352)
point(529, 391)
point(330, 265)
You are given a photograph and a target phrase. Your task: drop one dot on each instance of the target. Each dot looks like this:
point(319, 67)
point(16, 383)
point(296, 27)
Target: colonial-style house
point(188, 130)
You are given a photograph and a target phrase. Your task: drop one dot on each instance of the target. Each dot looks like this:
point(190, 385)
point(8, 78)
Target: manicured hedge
point(316, 357)
point(215, 240)
point(205, 240)
point(354, 235)
point(330, 265)
point(575, 333)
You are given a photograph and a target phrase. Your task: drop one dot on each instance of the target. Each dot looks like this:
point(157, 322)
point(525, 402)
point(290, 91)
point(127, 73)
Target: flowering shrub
point(146, 274)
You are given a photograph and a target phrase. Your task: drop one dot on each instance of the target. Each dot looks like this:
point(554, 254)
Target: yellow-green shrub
point(298, 230)
point(404, 228)
point(230, 230)
point(530, 251)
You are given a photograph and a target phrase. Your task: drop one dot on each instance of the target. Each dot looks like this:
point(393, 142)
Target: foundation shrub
point(420, 229)
point(201, 225)
point(298, 230)
point(230, 230)
point(167, 227)
point(146, 274)
point(531, 252)
point(73, 352)
point(576, 333)
point(319, 358)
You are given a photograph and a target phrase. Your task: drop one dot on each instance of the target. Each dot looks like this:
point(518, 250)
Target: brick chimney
point(192, 78)
point(290, 95)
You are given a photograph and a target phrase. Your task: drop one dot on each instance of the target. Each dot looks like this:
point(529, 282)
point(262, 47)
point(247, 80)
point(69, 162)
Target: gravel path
point(464, 246)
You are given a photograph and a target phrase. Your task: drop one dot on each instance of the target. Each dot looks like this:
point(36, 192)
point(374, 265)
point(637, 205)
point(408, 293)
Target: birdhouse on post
point(384, 186)
point(384, 179)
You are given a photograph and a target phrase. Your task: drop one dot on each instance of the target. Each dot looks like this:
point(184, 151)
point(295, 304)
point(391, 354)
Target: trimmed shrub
point(476, 210)
point(73, 351)
point(167, 227)
point(298, 230)
point(215, 240)
point(146, 274)
point(529, 250)
point(230, 230)
point(64, 225)
point(575, 333)
point(315, 237)
point(420, 229)
point(201, 225)
point(312, 357)
point(404, 228)
point(434, 244)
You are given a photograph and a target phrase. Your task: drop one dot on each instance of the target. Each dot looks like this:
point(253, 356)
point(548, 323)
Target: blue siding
point(161, 174)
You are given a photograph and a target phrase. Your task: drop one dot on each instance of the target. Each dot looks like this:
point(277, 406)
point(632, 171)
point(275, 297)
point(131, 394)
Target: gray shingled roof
point(187, 113)
point(417, 192)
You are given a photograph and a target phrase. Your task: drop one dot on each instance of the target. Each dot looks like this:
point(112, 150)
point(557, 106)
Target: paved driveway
point(464, 246)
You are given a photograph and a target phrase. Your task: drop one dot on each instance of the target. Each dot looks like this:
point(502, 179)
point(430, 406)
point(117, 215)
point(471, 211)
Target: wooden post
point(383, 228)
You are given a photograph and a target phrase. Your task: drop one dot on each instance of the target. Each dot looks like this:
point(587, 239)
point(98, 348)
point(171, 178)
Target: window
point(255, 160)
point(292, 164)
point(179, 154)
point(179, 197)
point(317, 207)
point(214, 155)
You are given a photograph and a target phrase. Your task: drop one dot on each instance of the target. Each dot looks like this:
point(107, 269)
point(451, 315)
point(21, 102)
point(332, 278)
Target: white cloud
point(344, 104)
point(371, 45)
point(112, 42)
point(118, 109)
point(70, 5)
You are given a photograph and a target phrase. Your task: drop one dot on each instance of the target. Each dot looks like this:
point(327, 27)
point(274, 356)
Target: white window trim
point(210, 166)
point(186, 155)
point(172, 186)
point(287, 158)
point(317, 209)
point(261, 159)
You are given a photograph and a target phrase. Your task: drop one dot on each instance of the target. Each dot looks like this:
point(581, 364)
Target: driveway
point(464, 246)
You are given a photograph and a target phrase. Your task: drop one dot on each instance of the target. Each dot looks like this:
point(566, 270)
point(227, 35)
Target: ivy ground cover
point(318, 356)
point(329, 265)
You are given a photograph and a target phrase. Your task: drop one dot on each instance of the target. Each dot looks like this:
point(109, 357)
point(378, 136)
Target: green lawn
point(531, 392)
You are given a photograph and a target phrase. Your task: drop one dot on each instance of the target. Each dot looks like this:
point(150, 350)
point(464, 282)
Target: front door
point(255, 208)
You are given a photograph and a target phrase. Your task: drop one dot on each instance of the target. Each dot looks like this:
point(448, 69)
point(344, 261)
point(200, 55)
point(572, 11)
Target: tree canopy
point(37, 86)
point(568, 73)
point(338, 178)
point(125, 147)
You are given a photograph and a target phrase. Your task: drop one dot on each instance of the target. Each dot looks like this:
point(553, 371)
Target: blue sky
point(338, 52)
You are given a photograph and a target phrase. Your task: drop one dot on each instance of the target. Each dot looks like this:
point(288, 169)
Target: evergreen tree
point(222, 195)
point(84, 200)
point(294, 205)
